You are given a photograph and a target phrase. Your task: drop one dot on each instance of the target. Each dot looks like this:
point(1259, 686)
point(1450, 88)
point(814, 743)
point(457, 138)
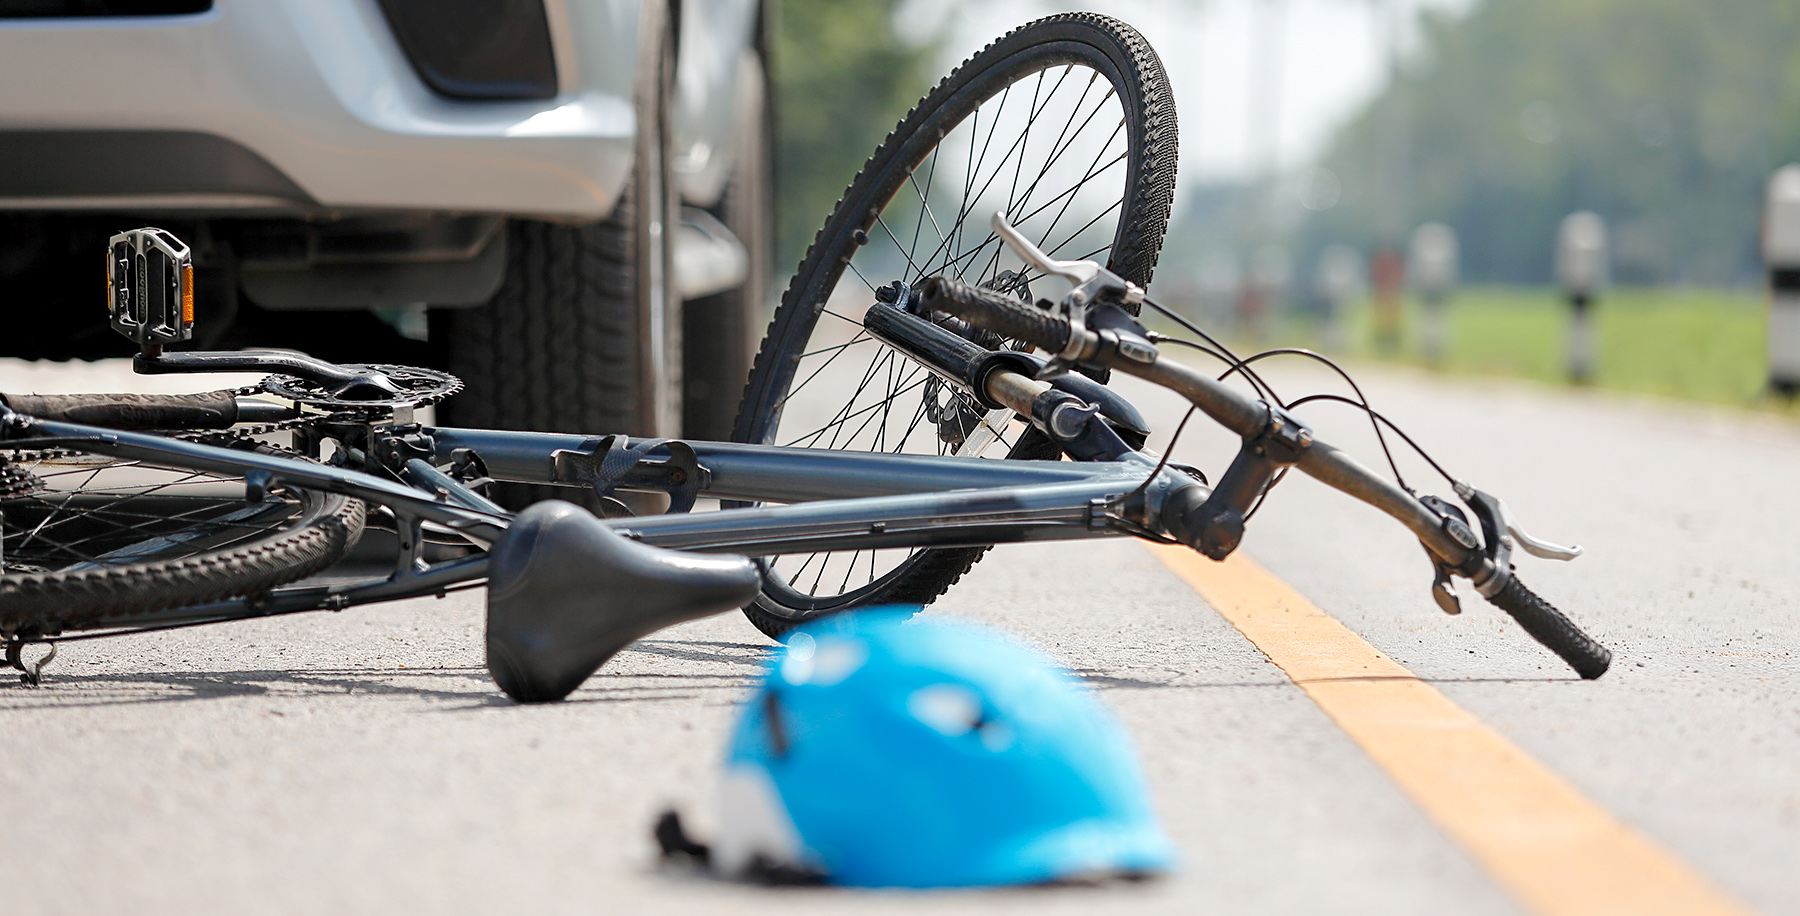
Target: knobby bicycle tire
point(1107, 47)
point(322, 529)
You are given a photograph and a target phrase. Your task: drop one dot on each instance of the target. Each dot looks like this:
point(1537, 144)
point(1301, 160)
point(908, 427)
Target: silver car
point(565, 202)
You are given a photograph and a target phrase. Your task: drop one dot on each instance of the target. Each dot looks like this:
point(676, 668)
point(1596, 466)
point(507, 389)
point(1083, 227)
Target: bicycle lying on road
point(881, 445)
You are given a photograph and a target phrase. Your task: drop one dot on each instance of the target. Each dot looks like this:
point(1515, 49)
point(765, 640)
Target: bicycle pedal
point(150, 288)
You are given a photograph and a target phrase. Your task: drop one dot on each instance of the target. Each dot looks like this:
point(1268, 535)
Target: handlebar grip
point(212, 410)
point(996, 312)
point(1558, 633)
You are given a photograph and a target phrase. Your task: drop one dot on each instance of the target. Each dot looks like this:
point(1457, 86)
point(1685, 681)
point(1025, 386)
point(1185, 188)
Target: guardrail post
point(1340, 281)
point(1431, 264)
point(1781, 257)
point(1581, 266)
point(1387, 275)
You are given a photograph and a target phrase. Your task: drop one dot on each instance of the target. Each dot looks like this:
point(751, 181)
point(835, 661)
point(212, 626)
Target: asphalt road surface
point(363, 761)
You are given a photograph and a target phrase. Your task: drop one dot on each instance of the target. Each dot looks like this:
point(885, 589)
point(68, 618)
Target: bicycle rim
point(1066, 125)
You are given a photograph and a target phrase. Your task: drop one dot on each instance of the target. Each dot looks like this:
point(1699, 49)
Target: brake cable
point(1237, 364)
point(1385, 421)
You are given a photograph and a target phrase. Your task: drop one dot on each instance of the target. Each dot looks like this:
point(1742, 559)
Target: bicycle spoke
point(1017, 145)
point(1065, 197)
point(796, 389)
point(845, 415)
point(886, 403)
point(1039, 159)
point(100, 512)
point(858, 339)
point(908, 255)
point(148, 522)
point(1025, 135)
point(1070, 198)
point(1015, 200)
point(859, 276)
point(924, 200)
point(868, 375)
point(802, 570)
point(918, 416)
point(1056, 152)
point(1084, 227)
point(849, 570)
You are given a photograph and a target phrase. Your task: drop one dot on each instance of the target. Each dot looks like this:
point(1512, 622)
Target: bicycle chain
point(446, 386)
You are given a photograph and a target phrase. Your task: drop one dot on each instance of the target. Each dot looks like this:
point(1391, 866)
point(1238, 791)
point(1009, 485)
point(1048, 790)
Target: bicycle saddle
point(566, 592)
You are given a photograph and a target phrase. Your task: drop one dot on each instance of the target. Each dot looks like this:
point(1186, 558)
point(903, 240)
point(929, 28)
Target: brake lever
point(1542, 549)
point(1089, 278)
point(1091, 283)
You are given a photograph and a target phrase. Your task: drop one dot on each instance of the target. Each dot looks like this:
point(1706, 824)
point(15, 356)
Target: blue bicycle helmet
point(884, 752)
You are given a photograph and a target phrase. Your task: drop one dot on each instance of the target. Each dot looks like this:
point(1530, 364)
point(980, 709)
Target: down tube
point(1035, 513)
point(768, 473)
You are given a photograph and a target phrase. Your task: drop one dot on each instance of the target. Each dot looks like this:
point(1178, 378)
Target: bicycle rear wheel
point(1067, 125)
point(85, 537)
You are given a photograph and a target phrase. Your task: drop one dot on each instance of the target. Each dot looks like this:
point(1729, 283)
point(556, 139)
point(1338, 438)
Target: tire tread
point(46, 603)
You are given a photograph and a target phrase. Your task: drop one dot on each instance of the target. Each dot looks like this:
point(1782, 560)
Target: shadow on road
point(646, 671)
point(717, 666)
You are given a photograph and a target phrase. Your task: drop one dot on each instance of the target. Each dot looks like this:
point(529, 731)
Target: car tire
point(584, 334)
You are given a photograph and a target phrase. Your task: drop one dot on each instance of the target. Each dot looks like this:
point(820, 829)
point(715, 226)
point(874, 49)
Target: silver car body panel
point(716, 36)
point(322, 90)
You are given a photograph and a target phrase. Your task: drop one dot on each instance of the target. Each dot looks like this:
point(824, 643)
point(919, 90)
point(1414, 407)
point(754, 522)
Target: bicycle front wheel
point(1067, 125)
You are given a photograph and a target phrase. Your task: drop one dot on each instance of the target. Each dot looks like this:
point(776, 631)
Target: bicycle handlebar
point(207, 410)
point(210, 410)
point(1249, 418)
point(1338, 470)
point(997, 312)
point(1549, 626)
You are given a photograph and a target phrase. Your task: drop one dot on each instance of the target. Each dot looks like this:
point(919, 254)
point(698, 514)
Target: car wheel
point(584, 334)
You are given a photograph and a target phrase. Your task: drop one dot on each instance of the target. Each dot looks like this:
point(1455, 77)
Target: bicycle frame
point(845, 501)
point(834, 500)
point(841, 500)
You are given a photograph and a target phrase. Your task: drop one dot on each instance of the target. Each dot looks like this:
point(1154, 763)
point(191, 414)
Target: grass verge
point(1706, 345)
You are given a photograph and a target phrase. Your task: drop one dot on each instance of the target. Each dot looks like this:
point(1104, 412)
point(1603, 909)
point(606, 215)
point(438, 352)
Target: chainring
point(420, 386)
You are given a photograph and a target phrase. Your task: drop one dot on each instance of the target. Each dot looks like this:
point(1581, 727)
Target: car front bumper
point(303, 106)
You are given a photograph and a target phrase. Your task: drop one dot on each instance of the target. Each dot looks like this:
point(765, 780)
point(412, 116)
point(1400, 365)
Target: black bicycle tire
point(44, 604)
point(1111, 47)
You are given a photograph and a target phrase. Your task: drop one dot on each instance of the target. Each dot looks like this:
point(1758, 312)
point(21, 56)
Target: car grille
point(477, 49)
point(54, 9)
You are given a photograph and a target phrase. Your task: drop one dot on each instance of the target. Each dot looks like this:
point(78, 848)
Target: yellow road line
point(1553, 849)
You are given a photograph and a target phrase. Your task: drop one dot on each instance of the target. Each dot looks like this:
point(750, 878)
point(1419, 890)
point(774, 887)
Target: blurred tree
point(1664, 116)
point(844, 78)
